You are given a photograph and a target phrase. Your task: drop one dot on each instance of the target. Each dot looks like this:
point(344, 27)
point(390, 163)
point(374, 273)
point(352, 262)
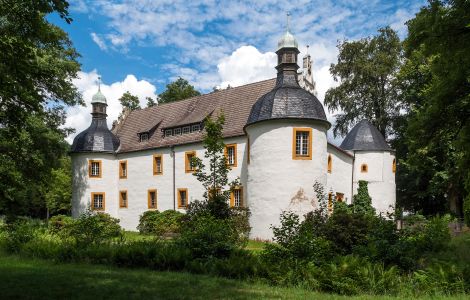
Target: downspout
point(172, 151)
point(352, 176)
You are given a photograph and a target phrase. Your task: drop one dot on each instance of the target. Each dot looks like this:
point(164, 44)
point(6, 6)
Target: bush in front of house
point(158, 223)
point(94, 228)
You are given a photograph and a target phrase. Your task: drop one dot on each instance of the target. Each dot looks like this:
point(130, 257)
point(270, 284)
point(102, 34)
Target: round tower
point(94, 169)
point(374, 162)
point(286, 131)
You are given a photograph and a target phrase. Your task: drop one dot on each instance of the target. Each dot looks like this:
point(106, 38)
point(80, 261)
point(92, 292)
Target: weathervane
point(99, 83)
point(288, 21)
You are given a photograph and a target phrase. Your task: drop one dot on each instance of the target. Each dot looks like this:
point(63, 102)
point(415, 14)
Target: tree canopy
point(177, 90)
point(366, 70)
point(437, 134)
point(129, 101)
point(37, 65)
point(37, 60)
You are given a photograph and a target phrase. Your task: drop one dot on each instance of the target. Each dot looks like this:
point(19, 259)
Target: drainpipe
point(352, 176)
point(172, 151)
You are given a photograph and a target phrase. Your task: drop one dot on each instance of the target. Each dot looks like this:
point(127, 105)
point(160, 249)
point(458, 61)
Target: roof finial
point(99, 83)
point(288, 21)
point(307, 49)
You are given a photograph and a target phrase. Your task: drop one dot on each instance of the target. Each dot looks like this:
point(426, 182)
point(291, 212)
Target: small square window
point(144, 137)
point(97, 201)
point(168, 132)
point(364, 168)
point(339, 197)
point(177, 131)
point(195, 128)
point(186, 129)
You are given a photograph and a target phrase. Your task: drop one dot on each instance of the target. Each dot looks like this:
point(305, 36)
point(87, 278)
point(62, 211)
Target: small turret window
point(97, 201)
point(330, 163)
point(94, 168)
point(302, 143)
point(364, 168)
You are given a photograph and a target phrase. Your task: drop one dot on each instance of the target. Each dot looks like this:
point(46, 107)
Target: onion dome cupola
point(287, 100)
point(366, 137)
point(97, 137)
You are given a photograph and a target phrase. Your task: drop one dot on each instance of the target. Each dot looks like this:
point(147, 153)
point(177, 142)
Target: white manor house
point(276, 143)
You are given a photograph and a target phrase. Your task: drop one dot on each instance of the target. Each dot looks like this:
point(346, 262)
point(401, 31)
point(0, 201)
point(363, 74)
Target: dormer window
point(168, 132)
point(195, 128)
point(143, 137)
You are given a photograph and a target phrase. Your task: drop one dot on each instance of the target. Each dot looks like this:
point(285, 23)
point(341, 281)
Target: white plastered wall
point(380, 178)
point(276, 182)
point(340, 178)
point(83, 185)
point(140, 179)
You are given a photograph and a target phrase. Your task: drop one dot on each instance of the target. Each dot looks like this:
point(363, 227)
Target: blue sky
point(142, 45)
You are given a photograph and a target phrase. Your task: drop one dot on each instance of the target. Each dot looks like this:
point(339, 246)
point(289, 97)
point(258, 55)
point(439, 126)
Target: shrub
point(19, 233)
point(164, 223)
point(206, 236)
point(347, 230)
point(95, 228)
point(59, 223)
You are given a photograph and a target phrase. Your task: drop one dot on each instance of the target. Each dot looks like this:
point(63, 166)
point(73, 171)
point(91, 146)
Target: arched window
point(394, 165)
point(364, 168)
point(330, 163)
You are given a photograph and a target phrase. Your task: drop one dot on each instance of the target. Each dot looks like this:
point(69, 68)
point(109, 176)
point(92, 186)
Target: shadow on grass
point(37, 279)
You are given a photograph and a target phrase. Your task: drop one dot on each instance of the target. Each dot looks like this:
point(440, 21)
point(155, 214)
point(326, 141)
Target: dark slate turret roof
point(96, 138)
point(287, 100)
point(365, 136)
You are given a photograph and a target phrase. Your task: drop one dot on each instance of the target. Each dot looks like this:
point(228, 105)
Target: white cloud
point(79, 117)
point(246, 65)
point(99, 41)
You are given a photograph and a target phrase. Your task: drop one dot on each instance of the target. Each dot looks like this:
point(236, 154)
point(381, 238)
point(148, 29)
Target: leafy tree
point(366, 70)
point(177, 90)
point(150, 102)
point(37, 60)
point(37, 65)
point(28, 157)
point(214, 179)
point(129, 101)
point(437, 132)
point(59, 190)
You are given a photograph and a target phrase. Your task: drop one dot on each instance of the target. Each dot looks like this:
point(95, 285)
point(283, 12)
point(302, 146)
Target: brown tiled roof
point(235, 103)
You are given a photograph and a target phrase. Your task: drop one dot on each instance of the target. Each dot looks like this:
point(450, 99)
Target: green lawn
point(38, 279)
